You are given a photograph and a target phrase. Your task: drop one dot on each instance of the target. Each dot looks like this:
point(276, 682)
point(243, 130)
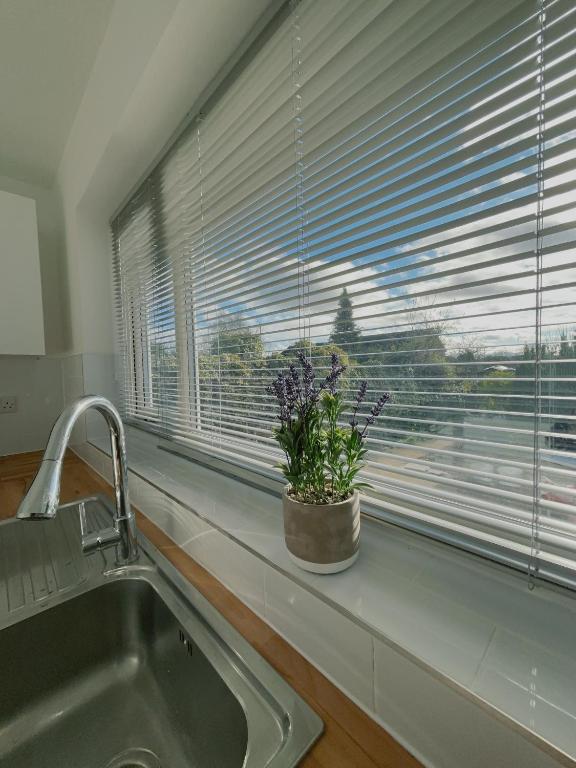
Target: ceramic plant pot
point(322, 538)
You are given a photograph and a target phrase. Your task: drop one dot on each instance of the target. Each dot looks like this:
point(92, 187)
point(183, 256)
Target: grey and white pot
point(322, 538)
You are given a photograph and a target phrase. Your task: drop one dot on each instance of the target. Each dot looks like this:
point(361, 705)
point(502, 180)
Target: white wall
point(52, 260)
point(36, 382)
point(21, 317)
point(120, 63)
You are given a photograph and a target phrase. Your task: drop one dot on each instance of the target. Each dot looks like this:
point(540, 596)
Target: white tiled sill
point(472, 625)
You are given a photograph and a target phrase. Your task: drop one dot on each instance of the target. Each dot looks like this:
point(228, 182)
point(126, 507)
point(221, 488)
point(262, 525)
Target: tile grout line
point(484, 655)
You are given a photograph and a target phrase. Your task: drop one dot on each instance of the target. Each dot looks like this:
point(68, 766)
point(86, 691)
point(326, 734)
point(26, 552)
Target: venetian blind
point(392, 180)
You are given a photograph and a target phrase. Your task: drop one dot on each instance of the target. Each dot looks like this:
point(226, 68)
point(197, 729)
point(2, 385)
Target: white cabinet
point(21, 317)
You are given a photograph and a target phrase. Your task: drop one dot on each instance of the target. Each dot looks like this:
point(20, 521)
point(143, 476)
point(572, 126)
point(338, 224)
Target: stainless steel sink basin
point(106, 667)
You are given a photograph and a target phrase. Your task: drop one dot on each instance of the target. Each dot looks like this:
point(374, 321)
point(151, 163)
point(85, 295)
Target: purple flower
point(309, 391)
point(379, 404)
point(284, 390)
point(295, 376)
point(291, 392)
point(360, 395)
point(296, 390)
point(375, 411)
point(277, 389)
point(331, 381)
point(361, 391)
point(307, 370)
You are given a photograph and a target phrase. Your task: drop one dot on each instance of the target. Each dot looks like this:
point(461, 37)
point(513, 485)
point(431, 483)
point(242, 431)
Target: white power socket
point(8, 404)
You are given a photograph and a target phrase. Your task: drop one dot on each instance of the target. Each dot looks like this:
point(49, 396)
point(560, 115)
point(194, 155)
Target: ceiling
point(47, 48)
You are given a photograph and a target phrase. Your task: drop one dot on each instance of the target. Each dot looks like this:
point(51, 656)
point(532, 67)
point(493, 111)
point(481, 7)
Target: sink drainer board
point(132, 668)
point(135, 758)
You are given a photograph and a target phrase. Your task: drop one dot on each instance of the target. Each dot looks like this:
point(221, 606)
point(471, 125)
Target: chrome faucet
point(43, 497)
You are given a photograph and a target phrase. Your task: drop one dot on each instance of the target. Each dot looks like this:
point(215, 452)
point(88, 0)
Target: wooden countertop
point(350, 740)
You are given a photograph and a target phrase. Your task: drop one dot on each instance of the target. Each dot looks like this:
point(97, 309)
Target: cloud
point(477, 276)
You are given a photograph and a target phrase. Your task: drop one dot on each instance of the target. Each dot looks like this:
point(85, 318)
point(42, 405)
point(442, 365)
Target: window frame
point(188, 345)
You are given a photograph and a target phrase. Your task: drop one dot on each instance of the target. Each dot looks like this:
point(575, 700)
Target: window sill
point(470, 623)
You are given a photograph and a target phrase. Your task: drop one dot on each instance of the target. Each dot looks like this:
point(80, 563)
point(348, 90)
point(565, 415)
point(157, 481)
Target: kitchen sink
point(130, 667)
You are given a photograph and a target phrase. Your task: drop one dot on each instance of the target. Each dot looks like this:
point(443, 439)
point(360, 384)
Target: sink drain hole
point(135, 758)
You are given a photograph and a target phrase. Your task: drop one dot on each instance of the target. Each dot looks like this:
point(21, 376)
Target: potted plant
point(323, 458)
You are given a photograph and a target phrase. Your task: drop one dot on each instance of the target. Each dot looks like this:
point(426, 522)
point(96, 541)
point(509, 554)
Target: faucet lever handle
point(94, 540)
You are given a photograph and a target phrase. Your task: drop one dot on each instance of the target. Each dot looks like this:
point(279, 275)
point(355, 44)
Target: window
point(393, 180)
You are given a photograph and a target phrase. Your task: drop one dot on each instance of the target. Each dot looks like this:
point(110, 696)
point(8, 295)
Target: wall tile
point(332, 642)
point(230, 563)
point(441, 724)
point(533, 685)
point(73, 388)
point(72, 366)
point(449, 636)
point(99, 379)
point(37, 383)
point(501, 596)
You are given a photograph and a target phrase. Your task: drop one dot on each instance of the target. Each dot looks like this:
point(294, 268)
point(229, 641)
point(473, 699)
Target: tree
point(345, 333)
point(496, 384)
point(237, 342)
point(235, 337)
point(320, 354)
point(231, 364)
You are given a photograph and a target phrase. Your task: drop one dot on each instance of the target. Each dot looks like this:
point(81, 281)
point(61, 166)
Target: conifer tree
point(345, 332)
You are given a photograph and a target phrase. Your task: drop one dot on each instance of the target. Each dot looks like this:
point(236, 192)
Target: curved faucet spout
point(43, 497)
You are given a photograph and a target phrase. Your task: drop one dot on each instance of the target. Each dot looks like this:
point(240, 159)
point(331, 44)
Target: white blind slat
point(393, 180)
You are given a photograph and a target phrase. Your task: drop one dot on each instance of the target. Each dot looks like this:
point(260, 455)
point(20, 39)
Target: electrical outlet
point(8, 404)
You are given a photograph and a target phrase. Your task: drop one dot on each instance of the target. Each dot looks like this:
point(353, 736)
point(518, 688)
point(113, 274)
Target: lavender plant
point(323, 458)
